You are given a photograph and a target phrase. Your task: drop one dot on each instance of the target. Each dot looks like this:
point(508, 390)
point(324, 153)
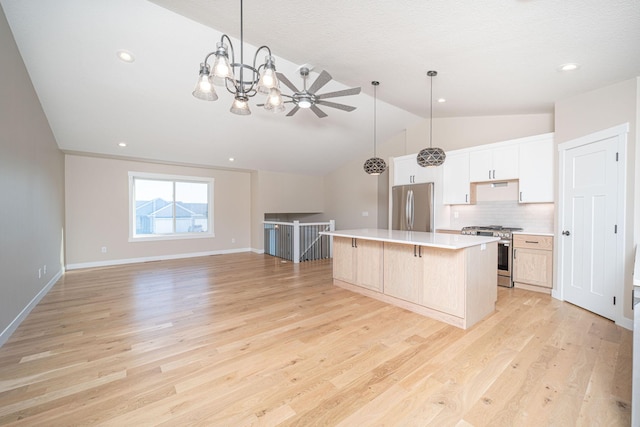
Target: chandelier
point(431, 156)
point(374, 165)
point(243, 81)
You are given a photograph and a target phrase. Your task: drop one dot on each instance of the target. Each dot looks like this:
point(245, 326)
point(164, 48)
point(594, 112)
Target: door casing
point(620, 134)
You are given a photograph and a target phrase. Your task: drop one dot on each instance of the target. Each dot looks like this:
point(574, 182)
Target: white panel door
point(589, 240)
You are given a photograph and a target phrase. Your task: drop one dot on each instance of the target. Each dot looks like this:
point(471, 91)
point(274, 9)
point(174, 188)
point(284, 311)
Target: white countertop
point(534, 233)
point(436, 240)
point(636, 269)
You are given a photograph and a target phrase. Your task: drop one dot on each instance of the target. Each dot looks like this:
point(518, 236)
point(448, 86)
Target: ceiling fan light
point(304, 102)
point(204, 86)
point(431, 156)
point(240, 106)
point(375, 166)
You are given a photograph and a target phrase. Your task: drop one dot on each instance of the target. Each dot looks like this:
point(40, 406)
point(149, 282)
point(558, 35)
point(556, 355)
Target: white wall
point(31, 185)
point(97, 212)
point(600, 109)
point(274, 192)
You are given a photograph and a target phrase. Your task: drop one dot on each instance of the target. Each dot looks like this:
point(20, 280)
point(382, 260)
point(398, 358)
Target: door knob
point(566, 233)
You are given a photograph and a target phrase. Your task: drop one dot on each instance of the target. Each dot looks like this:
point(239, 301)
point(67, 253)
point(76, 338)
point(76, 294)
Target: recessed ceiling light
point(441, 100)
point(569, 67)
point(125, 56)
point(122, 144)
point(231, 159)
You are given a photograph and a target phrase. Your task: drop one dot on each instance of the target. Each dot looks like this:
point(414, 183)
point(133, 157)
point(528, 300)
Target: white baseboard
point(625, 323)
point(11, 328)
point(113, 262)
point(257, 251)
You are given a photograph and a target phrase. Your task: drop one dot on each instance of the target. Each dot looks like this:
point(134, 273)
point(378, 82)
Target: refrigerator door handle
point(407, 205)
point(412, 211)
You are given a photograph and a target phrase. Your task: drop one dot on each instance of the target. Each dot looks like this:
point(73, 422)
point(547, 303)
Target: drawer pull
point(531, 241)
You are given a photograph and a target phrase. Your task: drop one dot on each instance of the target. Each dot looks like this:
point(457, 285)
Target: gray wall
point(31, 185)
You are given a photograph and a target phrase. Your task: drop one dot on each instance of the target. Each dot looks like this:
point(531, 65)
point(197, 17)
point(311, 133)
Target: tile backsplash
point(533, 217)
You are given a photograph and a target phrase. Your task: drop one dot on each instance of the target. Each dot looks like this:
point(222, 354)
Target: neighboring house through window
point(168, 206)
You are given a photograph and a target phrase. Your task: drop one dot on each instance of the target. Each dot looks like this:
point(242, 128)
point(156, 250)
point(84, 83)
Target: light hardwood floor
point(246, 339)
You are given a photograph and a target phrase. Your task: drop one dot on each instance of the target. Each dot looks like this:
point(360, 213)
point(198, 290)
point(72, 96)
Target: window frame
point(133, 237)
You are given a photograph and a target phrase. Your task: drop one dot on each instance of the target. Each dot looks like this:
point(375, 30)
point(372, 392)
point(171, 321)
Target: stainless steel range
point(505, 248)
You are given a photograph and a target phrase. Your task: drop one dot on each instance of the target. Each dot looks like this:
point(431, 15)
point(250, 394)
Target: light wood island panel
point(456, 286)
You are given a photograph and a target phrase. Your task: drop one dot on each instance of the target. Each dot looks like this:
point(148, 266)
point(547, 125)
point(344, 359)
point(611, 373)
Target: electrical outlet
point(233, 240)
point(365, 213)
point(104, 249)
point(456, 214)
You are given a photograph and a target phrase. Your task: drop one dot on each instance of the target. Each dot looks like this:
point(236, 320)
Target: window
point(166, 206)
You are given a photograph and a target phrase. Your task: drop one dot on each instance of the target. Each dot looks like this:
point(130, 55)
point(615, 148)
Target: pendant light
point(431, 156)
point(375, 165)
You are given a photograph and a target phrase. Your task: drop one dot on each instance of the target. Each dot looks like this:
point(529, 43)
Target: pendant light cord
point(431, 114)
point(375, 115)
point(241, 46)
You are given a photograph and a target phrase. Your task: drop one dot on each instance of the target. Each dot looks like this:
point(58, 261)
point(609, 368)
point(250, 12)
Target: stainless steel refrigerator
point(412, 207)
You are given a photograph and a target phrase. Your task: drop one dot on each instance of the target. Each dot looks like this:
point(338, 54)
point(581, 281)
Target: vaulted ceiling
point(493, 57)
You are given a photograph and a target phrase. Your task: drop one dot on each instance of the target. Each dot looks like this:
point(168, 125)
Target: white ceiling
point(493, 57)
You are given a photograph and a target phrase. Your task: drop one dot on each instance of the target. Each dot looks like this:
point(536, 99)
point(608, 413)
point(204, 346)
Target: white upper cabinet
point(456, 188)
point(536, 170)
point(494, 164)
point(406, 170)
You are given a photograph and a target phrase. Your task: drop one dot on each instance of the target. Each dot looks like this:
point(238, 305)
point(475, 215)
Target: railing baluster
point(297, 242)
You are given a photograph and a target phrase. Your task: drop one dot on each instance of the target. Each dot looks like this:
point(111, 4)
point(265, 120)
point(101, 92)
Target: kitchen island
point(450, 278)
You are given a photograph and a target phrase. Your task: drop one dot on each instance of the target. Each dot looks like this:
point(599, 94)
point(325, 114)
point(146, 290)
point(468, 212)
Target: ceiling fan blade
point(293, 111)
point(336, 105)
point(287, 83)
point(322, 80)
point(318, 111)
point(345, 92)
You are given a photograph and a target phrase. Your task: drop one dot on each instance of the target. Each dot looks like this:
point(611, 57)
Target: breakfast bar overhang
point(447, 277)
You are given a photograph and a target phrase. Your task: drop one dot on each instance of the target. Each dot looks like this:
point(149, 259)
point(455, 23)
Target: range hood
point(496, 191)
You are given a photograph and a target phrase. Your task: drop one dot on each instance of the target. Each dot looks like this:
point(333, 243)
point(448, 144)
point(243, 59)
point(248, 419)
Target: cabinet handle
point(494, 174)
point(355, 242)
point(466, 198)
point(489, 173)
point(420, 251)
point(531, 241)
point(414, 250)
point(521, 196)
point(514, 253)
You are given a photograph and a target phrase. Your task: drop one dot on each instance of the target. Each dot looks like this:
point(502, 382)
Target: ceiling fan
point(307, 98)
